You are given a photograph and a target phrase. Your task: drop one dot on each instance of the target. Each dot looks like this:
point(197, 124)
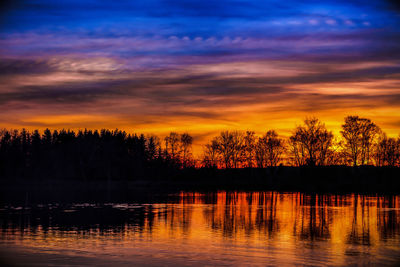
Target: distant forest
point(105, 154)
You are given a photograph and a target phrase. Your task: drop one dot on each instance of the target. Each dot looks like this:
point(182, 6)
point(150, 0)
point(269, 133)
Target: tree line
point(107, 154)
point(362, 142)
point(90, 154)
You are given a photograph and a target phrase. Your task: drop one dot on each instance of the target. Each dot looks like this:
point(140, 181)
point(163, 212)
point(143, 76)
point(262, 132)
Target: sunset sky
point(198, 66)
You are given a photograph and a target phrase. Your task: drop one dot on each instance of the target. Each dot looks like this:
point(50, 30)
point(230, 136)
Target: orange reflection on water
point(255, 228)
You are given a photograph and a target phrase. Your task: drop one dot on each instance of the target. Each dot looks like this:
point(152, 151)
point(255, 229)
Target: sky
point(198, 66)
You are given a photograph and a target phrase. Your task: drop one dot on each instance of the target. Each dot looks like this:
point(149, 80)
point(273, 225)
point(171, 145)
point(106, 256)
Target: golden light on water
point(247, 228)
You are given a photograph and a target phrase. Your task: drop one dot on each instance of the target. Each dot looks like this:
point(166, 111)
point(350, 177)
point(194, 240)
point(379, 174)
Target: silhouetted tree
point(172, 148)
point(337, 155)
point(211, 157)
point(238, 145)
point(153, 147)
point(259, 151)
point(387, 151)
point(186, 148)
point(249, 148)
point(359, 134)
point(310, 143)
point(225, 147)
point(269, 150)
point(231, 147)
point(274, 148)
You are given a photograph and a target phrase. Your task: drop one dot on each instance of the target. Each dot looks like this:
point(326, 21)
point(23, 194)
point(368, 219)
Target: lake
point(199, 229)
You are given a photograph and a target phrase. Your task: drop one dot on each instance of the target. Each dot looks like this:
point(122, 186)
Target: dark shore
point(328, 179)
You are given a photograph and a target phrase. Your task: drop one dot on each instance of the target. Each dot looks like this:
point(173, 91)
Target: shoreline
point(327, 179)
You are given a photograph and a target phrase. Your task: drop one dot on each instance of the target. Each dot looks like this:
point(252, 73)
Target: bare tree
point(310, 143)
point(269, 150)
point(172, 146)
point(368, 132)
point(275, 147)
point(231, 148)
point(225, 149)
point(337, 154)
point(359, 134)
point(238, 146)
point(211, 156)
point(297, 151)
point(387, 151)
point(260, 152)
point(249, 148)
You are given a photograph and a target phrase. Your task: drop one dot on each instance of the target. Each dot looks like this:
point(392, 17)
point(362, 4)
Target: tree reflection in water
point(293, 225)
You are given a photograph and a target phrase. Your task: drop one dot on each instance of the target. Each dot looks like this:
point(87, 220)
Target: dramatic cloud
point(198, 66)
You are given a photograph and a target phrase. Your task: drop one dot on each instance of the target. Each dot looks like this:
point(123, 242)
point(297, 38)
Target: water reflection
point(223, 228)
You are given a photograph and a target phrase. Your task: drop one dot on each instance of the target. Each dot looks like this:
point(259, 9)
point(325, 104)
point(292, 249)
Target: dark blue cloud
point(192, 17)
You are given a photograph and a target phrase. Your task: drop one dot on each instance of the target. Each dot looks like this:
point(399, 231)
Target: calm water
point(256, 229)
